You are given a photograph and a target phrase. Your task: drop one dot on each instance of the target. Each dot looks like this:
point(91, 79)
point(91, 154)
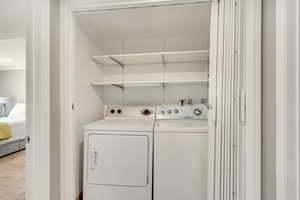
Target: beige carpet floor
point(12, 177)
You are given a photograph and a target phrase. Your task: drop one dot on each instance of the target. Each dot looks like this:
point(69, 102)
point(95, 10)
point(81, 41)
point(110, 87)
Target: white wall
point(293, 140)
point(88, 105)
point(268, 101)
point(12, 53)
point(12, 84)
point(15, 11)
point(175, 28)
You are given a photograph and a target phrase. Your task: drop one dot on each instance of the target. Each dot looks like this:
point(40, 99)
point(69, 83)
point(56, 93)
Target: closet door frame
point(252, 132)
point(250, 153)
point(287, 99)
point(38, 99)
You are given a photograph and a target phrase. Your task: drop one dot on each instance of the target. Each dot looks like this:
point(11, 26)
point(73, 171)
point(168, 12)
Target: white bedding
point(18, 127)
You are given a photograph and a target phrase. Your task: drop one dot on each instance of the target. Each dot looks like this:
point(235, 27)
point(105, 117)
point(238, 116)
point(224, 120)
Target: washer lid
point(123, 124)
point(175, 126)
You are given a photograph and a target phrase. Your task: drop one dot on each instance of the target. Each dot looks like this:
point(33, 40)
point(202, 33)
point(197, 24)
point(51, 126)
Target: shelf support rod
point(118, 86)
point(164, 65)
point(118, 62)
point(163, 60)
point(164, 78)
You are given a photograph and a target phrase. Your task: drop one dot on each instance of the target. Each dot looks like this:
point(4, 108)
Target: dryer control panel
point(194, 112)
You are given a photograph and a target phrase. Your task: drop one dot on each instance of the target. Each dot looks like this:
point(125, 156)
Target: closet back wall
point(151, 30)
point(88, 107)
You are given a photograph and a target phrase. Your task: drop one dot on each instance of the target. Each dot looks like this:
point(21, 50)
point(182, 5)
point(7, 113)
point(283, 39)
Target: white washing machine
point(180, 153)
point(118, 155)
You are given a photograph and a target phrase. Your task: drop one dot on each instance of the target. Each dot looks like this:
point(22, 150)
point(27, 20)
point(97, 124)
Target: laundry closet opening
point(146, 57)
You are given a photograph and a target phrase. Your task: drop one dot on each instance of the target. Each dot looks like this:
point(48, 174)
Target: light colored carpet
point(12, 177)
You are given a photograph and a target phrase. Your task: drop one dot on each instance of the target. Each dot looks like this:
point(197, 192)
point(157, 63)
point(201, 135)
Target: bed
point(16, 120)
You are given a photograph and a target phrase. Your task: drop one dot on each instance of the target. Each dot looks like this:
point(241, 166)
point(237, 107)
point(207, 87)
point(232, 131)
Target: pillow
point(18, 111)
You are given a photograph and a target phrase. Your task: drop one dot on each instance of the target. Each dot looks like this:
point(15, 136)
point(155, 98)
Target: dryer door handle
point(94, 159)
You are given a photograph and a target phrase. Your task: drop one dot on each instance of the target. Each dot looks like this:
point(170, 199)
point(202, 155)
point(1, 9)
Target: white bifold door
point(234, 97)
point(224, 124)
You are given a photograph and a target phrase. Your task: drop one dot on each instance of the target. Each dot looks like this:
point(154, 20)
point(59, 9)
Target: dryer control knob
point(176, 111)
point(197, 112)
point(163, 112)
point(146, 112)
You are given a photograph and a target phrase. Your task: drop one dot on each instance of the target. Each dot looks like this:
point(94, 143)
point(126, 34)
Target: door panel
point(118, 160)
point(180, 166)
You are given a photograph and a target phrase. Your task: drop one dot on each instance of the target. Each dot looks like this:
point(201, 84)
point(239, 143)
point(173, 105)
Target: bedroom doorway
point(13, 99)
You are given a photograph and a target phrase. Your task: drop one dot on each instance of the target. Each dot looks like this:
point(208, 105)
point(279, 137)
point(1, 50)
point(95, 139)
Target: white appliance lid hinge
point(242, 105)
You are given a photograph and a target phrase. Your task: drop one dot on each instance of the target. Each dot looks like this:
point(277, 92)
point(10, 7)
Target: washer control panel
point(195, 112)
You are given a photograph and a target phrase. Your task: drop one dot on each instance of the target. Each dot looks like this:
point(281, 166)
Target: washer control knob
point(163, 112)
point(176, 111)
point(197, 112)
point(169, 111)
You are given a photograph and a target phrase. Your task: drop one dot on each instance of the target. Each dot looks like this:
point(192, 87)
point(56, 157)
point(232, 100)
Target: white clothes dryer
point(118, 155)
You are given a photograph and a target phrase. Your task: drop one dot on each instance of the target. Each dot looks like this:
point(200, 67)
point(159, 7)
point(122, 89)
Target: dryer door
point(120, 160)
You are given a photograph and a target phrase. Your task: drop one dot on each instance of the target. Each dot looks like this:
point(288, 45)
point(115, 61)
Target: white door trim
point(37, 99)
point(281, 99)
point(249, 168)
point(68, 140)
point(287, 80)
point(298, 99)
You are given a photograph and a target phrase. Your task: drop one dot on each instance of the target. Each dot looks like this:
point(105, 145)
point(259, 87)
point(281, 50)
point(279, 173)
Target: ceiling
point(12, 19)
point(12, 34)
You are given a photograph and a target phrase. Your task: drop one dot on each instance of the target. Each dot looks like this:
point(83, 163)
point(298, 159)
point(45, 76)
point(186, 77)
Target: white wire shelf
point(153, 58)
point(150, 83)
